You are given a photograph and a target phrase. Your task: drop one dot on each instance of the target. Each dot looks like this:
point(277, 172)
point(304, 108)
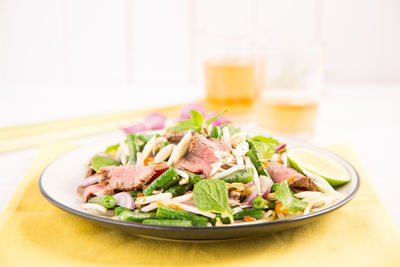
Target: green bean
point(252, 154)
point(259, 203)
point(273, 187)
point(119, 210)
point(164, 181)
point(193, 177)
point(258, 214)
point(145, 137)
point(241, 176)
point(133, 148)
point(168, 222)
point(172, 214)
point(164, 144)
point(106, 201)
point(224, 220)
point(136, 216)
point(178, 190)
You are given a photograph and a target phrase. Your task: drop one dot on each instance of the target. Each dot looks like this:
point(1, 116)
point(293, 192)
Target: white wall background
point(53, 50)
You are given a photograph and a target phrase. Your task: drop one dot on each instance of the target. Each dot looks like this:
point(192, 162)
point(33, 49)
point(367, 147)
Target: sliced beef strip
point(159, 167)
point(302, 184)
point(194, 164)
point(201, 154)
point(101, 189)
point(128, 177)
point(89, 172)
point(280, 173)
point(174, 137)
point(204, 148)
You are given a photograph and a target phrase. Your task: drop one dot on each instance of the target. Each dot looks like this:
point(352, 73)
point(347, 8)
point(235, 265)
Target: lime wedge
point(319, 164)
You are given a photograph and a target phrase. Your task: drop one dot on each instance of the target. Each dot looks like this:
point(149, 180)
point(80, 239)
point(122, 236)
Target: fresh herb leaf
point(99, 162)
point(212, 196)
point(210, 120)
point(194, 123)
point(265, 146)
point(112, 148)
point(285, 195)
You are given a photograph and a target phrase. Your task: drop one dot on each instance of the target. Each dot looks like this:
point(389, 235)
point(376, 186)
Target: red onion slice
point(280, 148)
point(268, 189)
point(94, 179)
point(137, 128)
point(249, 198)
point(221, 120)
point(124, 199)
point(155, 121)
point(185, 111)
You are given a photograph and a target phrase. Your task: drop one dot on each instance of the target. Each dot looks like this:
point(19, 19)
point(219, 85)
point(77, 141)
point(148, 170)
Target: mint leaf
point(99, 162)
point(197, 118)
point(285, 195)
point(194, 123)
point(265, 146)
point(212, 196)
point(210, 120)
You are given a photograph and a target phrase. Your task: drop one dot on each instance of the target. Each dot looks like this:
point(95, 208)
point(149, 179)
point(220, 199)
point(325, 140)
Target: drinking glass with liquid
point(229, 72)
point(289, 98)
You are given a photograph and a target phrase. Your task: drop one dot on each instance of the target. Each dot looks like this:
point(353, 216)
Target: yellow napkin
point(35, 233)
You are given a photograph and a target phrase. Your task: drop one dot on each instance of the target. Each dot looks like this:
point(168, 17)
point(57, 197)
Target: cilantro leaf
point(285, 195)
point(194, 123)
point(265, 146)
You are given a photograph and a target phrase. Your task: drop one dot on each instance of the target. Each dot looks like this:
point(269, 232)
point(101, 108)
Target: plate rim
point(138, 225)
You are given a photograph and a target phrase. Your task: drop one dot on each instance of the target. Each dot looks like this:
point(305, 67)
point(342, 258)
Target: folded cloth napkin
point(33, 232)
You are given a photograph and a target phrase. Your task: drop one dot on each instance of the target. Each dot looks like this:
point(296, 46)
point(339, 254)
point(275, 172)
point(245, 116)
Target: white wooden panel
point(363, 40)
point(96, 33)
point(68, 42)
point(35, 41)
point(161, 44)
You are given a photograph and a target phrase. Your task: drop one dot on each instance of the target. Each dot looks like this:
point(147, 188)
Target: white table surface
point(367, 116)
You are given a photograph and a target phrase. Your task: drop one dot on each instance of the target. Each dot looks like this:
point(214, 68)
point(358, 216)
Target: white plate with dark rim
point(59, 181)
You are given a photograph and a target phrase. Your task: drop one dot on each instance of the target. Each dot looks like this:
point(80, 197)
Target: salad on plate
point(203, 171)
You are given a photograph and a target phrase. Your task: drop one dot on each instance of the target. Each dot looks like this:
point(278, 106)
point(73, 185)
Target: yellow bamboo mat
point(33, 232)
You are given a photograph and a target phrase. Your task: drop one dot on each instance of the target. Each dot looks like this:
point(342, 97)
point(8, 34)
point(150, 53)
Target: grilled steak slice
point(128, 177)
point(201, 154)
point(175, 137)
point(101, 189)
point(302, 184)
point(194, 164)
point(280, 173)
